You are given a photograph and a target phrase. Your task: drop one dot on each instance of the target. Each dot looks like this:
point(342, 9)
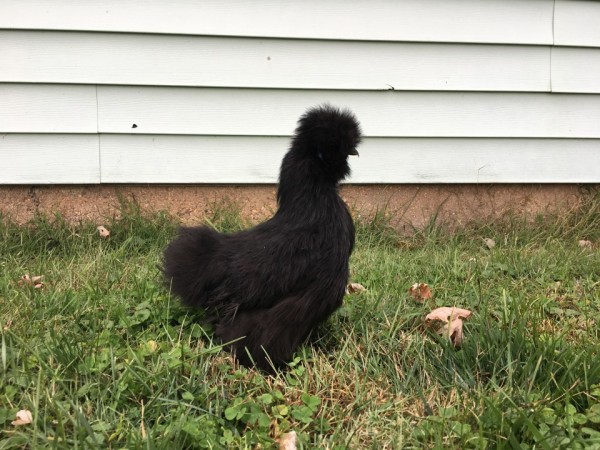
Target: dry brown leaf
point(453, 331)
point(288, 441)
point(584, 243)
point(451, 318)
point(489, 243)
point(35, 281)
point(24, 417)
point(420, 292)
point(103, 232)
point(355, 288)
point(448, 314)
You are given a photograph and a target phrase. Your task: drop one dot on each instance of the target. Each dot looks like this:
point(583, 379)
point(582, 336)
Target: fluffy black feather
point(267, 287)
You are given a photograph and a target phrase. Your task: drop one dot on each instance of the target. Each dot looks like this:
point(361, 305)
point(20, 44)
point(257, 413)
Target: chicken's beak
point(353, 152)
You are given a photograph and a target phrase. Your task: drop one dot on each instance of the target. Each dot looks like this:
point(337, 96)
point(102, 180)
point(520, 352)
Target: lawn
point(103, 357)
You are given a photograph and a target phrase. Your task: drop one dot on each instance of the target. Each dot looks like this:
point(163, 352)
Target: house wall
point(156, 91)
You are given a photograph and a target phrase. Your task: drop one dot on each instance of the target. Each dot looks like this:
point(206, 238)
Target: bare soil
point(408, 205)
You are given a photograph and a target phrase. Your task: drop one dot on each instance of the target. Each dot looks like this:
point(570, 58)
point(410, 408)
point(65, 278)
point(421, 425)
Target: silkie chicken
point(266, 288)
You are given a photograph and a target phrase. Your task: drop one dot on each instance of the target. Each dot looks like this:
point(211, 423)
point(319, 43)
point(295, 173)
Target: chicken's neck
point(304, 191)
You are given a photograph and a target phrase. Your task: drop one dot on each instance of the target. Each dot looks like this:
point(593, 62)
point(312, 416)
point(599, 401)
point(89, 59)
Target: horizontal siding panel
point(479, 161)
point(106, 58)
point(191, 159)
point(576, 69)
point(47, 108)
point(577, 23)
point(46, 159)
point(491, 21)
point(382, 113)
point(211, 159)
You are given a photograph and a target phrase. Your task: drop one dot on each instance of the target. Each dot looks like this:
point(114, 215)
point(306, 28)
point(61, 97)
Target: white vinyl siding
point(48, 159)
point(483, 21)
point(129, 59)
point(152, 91)
point(128, 159)
point(48, 108)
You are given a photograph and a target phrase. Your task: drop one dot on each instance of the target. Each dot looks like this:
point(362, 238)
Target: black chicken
point(264, 289)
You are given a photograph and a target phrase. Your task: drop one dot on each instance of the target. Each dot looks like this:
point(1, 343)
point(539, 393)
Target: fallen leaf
point(420, 292)
point(288, 441)
point(452, 320)
point(103, 232)
point(490, 243)
point(453, 331)
point(448, 314)
point(355, 288)
point(35, 281)
point(24, 417)
point(584, 243)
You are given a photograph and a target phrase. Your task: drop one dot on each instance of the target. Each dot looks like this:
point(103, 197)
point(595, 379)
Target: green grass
point(105, 358)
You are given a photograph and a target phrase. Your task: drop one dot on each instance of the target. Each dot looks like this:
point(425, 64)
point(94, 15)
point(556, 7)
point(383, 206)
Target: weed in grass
point(104, 358)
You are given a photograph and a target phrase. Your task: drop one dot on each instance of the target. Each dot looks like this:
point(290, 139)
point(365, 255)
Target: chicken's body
point(270, 285)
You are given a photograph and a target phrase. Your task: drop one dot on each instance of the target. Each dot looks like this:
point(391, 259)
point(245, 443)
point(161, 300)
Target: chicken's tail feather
point(190, 266)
